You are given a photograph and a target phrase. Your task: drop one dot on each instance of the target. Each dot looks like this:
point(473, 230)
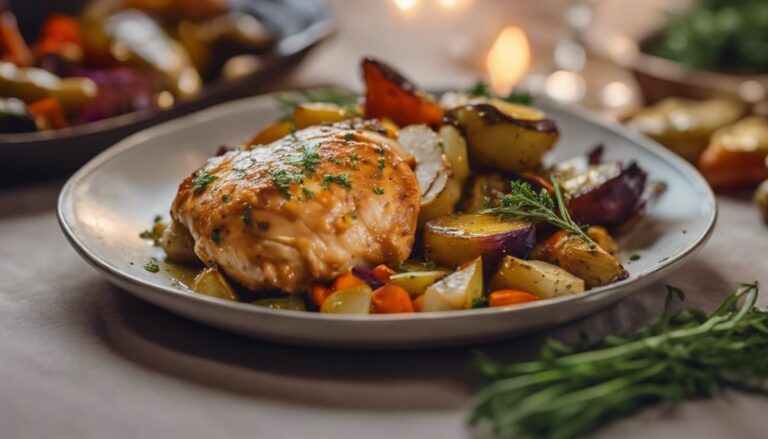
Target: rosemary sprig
point(482, 90)
point(570, 392)
point(524, 202)
point(345, 99)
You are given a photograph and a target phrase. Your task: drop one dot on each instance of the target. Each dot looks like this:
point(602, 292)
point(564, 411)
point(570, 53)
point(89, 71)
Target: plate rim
point(219, 110)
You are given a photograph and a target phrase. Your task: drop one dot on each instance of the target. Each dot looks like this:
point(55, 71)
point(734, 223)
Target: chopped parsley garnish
point(353, 214)
point(293, 132)
point(378, 190)
point(381, 163)
point(153, 266)
point(154, 233)
point(380, 150)
point(247, 215)
point(480, 302)
point(634, 257)
point(225, 198)
point(283, 180)
point(201, 180)
point(342, 180)
point(308, 193)
point(349, 136)
point(216, 236)
point(309, 159)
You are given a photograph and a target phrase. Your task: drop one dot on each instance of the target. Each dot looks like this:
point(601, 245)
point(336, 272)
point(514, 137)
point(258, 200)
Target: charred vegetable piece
point(587, 260)
point(504, 141)
point(352, 300)
point(60, 38)
point(484, 188)
point(31, 84)
point(735, 157)
point(316, 113)
point(684, 125)
point(211, 282)
point(293, 302)
point(457, 290)
point(536, 277)
point(432, 168)
point(15, 117)
point(134, 37)
point(452, 240)
point(121, 90)
point(389, 94)
point(761, 199)
point(416, 282)
point(606, 194)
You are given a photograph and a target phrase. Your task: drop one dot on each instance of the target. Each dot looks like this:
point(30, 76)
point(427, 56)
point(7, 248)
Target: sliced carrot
point(510, 297)
point(50, 110)
point(382, 273)
point(346, 280)
point(418, 303)
point(391, 299)
point(546, 249)
point(319, 293)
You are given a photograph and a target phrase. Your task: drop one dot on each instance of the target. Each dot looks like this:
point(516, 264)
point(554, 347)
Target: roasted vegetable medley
point(118, 56)
point(398, 202)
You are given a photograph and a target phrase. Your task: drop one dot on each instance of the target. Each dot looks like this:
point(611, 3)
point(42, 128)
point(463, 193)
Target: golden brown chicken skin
point(305, 208)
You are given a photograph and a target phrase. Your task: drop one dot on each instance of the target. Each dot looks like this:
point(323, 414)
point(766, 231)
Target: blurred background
point(77, 76)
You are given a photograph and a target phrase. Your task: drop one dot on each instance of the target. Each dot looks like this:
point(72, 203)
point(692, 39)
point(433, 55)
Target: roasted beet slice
point(614, 195)
point(390, 95)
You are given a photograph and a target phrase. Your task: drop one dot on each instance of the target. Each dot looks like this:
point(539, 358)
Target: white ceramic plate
point(105, 205)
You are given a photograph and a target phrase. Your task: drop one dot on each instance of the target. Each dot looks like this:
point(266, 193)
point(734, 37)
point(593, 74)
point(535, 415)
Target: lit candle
point(508, 60)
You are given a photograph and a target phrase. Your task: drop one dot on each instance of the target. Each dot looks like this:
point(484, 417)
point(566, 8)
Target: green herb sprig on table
point(329, 95)
point(524, 202)
point(570, 392)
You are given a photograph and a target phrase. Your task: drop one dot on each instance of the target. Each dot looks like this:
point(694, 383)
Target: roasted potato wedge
point(352, 300)
point(316, 113)
point(270, 133)
point(604, 239)
point(587, 260)
point(443, 204)
point(452, 240)
point(536, 277)
point(498, 140)
point(416, 282)
point(388, 94)
point(457, 290)
point(685, 125)
point(211, 282)
point(455, 149)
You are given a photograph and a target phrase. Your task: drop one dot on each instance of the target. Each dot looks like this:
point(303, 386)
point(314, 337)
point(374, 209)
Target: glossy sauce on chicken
point(305, 208)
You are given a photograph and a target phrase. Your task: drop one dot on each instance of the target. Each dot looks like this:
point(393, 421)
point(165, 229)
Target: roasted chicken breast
point(305, 208)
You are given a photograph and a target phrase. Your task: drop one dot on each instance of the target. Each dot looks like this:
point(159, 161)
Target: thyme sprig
point(524, 202)
point(570, 392)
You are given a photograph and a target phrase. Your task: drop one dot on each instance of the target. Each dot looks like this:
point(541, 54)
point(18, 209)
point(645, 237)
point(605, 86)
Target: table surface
point(82, 359)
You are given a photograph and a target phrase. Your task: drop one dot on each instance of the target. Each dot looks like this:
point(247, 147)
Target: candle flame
point(508, 60)
point(405, 6)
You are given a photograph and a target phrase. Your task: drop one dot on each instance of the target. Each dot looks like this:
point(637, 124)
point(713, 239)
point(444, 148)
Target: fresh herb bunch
point(329, 95)
point(482, 90)
point(570, 392)
point(524, 202)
